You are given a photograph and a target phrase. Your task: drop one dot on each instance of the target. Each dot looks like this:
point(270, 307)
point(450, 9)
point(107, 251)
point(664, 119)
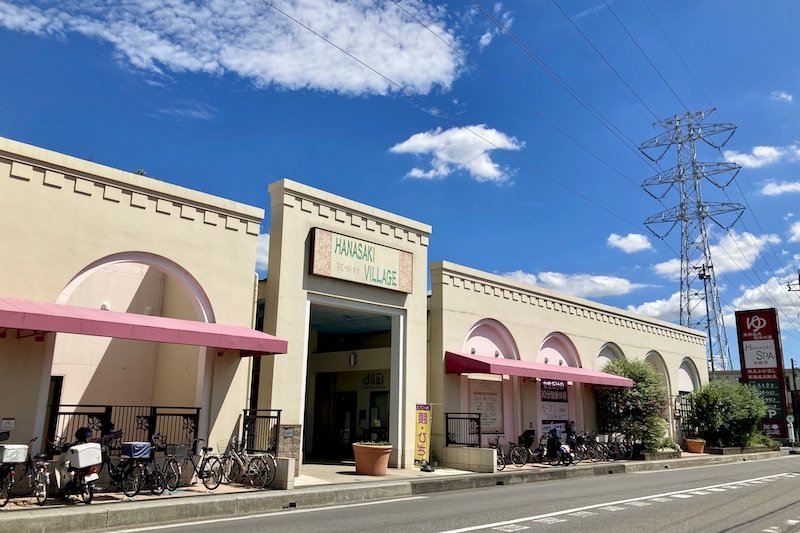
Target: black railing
point(463, 429)
point(684, 407)
point(261, 427)
point(178, 425)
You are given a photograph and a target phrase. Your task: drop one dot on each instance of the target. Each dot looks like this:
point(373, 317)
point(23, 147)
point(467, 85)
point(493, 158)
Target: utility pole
point(700, 308)
point(793, 286)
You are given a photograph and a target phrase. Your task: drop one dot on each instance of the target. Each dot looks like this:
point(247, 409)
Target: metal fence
point(261, 428)
point(463, 429)
point(178, 425)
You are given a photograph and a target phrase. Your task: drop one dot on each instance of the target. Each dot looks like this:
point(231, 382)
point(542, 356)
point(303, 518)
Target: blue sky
point(512, 128)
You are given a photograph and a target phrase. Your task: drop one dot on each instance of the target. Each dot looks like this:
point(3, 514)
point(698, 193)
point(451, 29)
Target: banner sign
point(554, 406)
point(761, 359)
point(486, 398)
point(351, 259)
point(422, 441)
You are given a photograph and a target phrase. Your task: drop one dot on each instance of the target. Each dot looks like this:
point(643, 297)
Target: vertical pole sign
point(422, 441)
point(761, 358)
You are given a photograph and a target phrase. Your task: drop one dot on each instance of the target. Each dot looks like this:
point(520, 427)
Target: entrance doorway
point(348, 388)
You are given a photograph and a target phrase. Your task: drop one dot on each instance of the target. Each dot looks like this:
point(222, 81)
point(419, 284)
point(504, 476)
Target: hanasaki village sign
point(342, 257)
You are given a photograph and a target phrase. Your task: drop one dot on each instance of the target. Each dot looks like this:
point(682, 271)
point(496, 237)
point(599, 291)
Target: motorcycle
point(82, 467)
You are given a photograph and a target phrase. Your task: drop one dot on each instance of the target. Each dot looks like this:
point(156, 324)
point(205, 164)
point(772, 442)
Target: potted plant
point(372, 458)
point(694, 444)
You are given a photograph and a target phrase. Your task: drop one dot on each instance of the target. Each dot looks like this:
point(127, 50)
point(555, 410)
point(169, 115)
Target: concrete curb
point(122, 515)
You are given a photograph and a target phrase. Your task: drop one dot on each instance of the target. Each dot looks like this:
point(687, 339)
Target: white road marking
point(684, 496)
point(718, 489)
point(699, 493)
point(792, 522)
point(549, 520)
point(583, 514)
point(511, 527)
point(654, 497)
point(638, 504)
point(661, 500)
point(263, 515)
point(613, 508)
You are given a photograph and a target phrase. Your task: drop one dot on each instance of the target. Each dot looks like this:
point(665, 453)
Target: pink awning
point(459, 363)
point(43, 316)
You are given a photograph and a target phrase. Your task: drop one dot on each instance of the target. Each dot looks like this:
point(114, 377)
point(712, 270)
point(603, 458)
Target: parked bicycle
point(208, 469)
point(238, 465)
point(10, 456)
point(125, 475)
point(501, 456)
point(36, 470)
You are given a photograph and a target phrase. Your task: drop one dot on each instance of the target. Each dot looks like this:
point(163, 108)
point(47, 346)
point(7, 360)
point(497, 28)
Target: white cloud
point(773, 293)
point(739, 251)
point(794, 232)
point(669, 269)
point(668, 309)
point(631, 243)
point(761, 156)
point(466, 148)
point(582, 285)
point(781, 96)
point(262, 254)
point(252, 40)
point(775, 188)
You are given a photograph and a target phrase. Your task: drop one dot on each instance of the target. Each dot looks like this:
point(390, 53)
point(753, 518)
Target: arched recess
point(688, 377)
point(655, 360)
point(490, 337)
point(609, 352)
point(111, 371)
point(496, 397)
point(558, 349)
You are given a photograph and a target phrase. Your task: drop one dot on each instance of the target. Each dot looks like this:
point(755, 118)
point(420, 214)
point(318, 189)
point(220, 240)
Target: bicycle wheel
point(104, 480)
point(6, 481)
point(172, 474)
point(132, 480)
point(501, 462)
point(231, 468)
point(272, 468)
point(40, 483)
point(211, 473)
point(519, 455)
point(257, 472)
point(553, 460)
point(158, 483)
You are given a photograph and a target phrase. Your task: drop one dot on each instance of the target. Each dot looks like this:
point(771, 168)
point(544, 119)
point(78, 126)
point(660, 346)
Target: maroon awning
point(44, 316)
point(460, 363)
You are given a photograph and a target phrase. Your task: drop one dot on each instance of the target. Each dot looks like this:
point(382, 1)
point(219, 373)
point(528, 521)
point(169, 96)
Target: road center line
point(680, 493)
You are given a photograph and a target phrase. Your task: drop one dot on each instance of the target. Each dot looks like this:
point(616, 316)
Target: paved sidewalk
point(316, 486)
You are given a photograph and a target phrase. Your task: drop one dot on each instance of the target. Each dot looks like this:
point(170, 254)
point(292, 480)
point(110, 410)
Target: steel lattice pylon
point(700, 306)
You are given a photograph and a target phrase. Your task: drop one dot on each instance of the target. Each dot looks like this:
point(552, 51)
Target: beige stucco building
point(121, 290)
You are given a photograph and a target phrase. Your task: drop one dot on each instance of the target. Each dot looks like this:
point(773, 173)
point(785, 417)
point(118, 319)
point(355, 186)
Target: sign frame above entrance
point(339, 256)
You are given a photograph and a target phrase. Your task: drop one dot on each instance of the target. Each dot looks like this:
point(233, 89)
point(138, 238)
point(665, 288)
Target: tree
point(726, 414)
point(635, 412)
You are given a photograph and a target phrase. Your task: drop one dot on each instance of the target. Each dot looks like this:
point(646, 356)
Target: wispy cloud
point(781, 96)
point(794, 232)
point(582, 285)
point(762, 156)
point(776, 188)
point(465, 148)
point(262, 254)
point(590, 11)
point(258, 43)
point(504, 18)
point(631, 243)
point(196, 111)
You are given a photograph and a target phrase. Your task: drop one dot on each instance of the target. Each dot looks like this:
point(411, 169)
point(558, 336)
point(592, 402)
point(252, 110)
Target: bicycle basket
point(178, 450)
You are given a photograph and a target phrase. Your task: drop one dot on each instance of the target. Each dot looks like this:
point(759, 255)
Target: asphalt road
point(761, 496)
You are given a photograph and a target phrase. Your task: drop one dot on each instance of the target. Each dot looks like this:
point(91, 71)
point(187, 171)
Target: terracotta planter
point(372, 459)
point(695, 445)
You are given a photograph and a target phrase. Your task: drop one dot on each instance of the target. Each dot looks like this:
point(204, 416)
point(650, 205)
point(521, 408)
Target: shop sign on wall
point(486, 398)
point(347, 258)
point(422, 441)
point(554, 405)
point(374, 381)
point(761, 358)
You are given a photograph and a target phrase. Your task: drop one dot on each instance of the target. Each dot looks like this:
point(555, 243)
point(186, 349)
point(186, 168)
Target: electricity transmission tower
point(700, 306)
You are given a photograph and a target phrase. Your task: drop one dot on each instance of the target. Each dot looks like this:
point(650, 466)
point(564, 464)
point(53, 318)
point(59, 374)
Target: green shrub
point(726, 414)
point(635, 412)
point(668, 444)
